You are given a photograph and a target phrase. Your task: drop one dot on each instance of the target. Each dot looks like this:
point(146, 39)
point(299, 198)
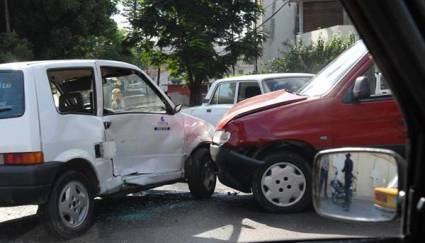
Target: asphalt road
point(170, 214)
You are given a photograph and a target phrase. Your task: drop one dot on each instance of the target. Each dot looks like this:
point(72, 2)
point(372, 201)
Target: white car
point(224, 93)
point(73, 130)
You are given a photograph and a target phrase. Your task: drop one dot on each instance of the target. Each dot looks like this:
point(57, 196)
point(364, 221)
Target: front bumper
point(26, 184)
point(235, 170)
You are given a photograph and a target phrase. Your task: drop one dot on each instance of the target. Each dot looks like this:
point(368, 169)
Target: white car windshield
point(334, 71)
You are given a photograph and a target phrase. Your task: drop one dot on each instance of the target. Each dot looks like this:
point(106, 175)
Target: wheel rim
point(283, 184)
point(209, 174)
point(74, 204)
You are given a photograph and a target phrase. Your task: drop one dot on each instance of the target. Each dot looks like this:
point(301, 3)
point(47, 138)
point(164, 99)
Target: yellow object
point(385, 197)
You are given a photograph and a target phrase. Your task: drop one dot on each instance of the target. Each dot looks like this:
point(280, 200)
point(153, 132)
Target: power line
point(264, 22)
point(273, 14)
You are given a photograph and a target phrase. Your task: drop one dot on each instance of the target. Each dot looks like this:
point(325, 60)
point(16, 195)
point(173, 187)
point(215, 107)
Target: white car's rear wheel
point(69, 210)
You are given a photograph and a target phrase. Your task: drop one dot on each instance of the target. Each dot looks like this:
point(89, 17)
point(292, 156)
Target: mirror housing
point(178, 108)
point(361, 89)
point(358, 184)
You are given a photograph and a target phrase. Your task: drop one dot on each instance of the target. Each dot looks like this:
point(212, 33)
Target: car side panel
point(209, 113)
point(70, 136)
point(370, 122)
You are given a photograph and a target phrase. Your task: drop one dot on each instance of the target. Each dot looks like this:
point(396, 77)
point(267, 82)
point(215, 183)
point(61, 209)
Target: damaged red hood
point(259, 103)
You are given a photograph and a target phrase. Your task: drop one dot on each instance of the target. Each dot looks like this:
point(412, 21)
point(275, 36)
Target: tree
point(202, 37)
point(13, 48)
point(58, 29)
point(309, 58)
point(154, 57)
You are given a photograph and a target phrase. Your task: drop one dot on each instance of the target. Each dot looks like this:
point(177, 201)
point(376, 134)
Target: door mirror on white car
point(358, 184)
point(178, 108)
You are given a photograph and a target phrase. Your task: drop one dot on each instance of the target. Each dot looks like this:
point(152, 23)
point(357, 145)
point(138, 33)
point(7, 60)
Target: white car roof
point(265, 76)
point(24, 65)
point(254, 77)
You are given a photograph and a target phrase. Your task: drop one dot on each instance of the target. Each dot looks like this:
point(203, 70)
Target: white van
point(73, 130)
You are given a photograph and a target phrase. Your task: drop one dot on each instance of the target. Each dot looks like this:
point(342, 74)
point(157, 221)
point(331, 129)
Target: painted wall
point(279, 29)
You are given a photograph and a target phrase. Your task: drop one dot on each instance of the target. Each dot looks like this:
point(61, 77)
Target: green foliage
point(13, 48)
point(309, 58)
point(60, 29)
point(199, 39)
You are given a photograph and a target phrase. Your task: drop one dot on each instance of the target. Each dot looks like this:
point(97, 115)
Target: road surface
point(170, 214)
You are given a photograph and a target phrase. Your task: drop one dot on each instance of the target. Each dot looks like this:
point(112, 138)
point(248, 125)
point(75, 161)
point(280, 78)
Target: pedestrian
point(348, 177)
point(324, 171)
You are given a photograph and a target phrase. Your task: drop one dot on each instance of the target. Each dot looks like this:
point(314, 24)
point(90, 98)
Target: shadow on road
point(163, 216)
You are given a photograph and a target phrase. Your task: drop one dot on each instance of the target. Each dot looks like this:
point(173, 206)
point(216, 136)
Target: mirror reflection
point(363, 185)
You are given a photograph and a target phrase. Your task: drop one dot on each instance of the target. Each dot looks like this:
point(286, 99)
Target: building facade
point(286, 21)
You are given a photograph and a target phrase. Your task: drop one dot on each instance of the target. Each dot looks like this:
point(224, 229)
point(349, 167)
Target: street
point(170, 214)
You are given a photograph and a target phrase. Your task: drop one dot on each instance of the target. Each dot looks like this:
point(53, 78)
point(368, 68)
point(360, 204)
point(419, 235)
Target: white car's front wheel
point(201, 174)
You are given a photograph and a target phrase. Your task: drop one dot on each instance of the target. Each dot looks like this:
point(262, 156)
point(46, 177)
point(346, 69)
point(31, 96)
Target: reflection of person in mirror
point(324, 171)
point(348, 177)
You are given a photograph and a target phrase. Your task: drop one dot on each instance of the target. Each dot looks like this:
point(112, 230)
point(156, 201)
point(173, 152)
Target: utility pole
point(6, 16)
point(255, 40)
point(158, 77)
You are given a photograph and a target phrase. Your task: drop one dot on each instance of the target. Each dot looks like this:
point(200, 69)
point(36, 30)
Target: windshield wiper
point(5, 108)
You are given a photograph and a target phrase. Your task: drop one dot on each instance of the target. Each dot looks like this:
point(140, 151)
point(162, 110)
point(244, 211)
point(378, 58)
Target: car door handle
point(208, 110)
point(107, 124)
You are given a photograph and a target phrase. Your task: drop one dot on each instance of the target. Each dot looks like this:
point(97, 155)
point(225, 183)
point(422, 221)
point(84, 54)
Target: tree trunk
point(158, 77)
point(195, 90)
point(6, 16)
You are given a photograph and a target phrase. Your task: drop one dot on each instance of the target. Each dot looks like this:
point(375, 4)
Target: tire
point(201, 174)
point(73, 218)
point(273, 188)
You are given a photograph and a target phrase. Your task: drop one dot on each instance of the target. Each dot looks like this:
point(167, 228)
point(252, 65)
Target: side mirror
point(358, 184)
point(361, 89)
point(178, 108)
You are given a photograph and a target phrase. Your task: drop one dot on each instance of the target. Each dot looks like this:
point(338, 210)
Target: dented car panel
point(196, 132)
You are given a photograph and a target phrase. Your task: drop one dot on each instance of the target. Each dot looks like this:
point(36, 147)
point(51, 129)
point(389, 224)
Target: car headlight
point(221, 137)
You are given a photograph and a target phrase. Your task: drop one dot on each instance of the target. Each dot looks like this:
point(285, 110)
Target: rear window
point(12, 101)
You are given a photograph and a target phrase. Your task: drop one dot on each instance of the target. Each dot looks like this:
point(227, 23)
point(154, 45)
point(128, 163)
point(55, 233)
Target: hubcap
point(283, 184)
point(209, 174)
point(73, 204)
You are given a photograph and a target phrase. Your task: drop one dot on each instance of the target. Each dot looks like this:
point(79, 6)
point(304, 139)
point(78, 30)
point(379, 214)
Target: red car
point(266, 144)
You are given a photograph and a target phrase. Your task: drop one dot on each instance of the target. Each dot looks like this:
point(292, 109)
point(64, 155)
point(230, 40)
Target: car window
point(334, 71)
point(224, 93)
point(248, 90)
point(73, 90)
point(125, 90)
point(378, 84)
point(12, 102)
point(290, 84)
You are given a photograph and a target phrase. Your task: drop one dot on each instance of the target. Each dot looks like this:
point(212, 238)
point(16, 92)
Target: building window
point(322, 14)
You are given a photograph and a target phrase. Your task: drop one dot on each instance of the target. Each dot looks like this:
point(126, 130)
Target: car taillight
point(29, 158)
